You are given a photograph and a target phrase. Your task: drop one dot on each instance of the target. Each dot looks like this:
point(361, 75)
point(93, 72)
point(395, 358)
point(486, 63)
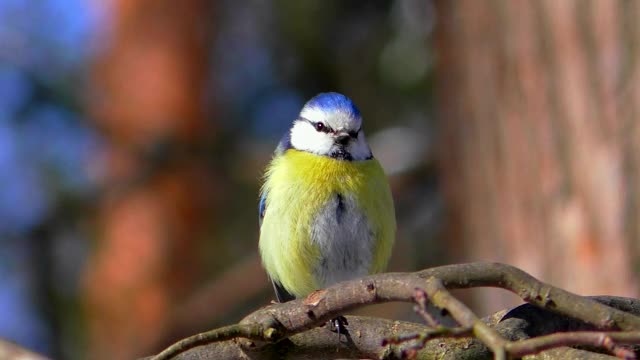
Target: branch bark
point(292, 328)
point(11, 351)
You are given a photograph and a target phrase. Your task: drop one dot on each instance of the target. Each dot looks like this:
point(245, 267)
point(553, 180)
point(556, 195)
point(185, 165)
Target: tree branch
point(248, 331)
point(533, 291)
point(11, 351)
point(606, 340)
point(265, 330)
point(443, 299)
point(500, 347)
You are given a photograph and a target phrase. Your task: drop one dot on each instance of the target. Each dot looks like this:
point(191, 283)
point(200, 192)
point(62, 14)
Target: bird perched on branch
point(326, 211)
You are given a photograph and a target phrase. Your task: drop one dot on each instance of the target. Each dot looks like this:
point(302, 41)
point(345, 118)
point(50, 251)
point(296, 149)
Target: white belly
point(345, 240)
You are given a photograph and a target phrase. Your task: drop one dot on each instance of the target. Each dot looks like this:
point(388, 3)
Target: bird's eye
point(353, 134)
point(319, 126)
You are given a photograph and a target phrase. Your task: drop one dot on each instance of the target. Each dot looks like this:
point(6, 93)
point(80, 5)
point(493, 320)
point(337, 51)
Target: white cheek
point(305, 137)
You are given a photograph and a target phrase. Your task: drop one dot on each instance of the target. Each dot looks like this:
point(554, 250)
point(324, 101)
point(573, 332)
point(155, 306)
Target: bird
point(326, 211)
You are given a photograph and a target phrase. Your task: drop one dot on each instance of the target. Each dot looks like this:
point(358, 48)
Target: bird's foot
point(339, 324)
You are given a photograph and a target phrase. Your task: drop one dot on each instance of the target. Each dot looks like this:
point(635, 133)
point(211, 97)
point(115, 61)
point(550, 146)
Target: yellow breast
point(298, 185)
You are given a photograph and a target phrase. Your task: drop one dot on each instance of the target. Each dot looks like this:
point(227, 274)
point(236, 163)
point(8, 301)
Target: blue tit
point(326, 211)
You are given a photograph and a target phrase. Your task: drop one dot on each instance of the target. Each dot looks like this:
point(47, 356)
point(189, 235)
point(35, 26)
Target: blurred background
point(134, 133)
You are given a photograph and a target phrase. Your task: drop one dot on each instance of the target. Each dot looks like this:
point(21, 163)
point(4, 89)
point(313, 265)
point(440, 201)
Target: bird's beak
point(342, 138)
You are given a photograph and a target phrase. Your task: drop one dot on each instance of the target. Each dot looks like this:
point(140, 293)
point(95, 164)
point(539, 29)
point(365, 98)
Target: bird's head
point(330, 125)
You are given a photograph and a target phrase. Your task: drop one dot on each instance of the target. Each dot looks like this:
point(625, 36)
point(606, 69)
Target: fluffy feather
point(303, 243)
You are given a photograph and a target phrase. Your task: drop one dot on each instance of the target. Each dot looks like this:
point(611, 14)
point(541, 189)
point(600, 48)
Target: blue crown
point(331, 101)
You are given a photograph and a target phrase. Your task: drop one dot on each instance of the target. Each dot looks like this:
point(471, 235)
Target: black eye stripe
point(322, 127)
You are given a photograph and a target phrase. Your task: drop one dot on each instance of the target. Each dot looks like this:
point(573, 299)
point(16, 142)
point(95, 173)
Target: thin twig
point(421, 308)
point(443, 299)
point(431, 333)
point(254, 332)
point(606, 340)
point(422, 338)
point(533, 291)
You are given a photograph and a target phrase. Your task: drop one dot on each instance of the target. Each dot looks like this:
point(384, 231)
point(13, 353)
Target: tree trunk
point(149, 81)
point(541, 143)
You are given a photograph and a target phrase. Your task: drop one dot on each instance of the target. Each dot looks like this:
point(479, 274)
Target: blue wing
point(262, 207)
point(283, 145)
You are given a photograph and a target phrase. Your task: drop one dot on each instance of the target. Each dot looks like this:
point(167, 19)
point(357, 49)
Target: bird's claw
point(339, 324)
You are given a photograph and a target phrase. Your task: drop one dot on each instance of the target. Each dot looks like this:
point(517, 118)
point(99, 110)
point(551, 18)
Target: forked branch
point(292, 327)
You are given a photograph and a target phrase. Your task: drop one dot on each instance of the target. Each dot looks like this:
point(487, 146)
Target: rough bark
point(554, 318)
point(540, 138)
